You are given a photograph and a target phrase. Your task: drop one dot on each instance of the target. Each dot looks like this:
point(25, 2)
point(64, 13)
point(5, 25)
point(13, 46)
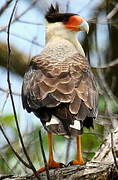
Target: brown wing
point(50, 83)
point(68, 88)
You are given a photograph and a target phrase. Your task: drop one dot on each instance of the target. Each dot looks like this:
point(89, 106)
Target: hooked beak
point(84, 26)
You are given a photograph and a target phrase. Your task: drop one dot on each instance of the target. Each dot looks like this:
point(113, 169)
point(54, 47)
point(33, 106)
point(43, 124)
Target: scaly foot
point(52, 165)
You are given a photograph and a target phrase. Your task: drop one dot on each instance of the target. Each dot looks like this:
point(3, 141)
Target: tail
point(63, 127)
point(59, 121)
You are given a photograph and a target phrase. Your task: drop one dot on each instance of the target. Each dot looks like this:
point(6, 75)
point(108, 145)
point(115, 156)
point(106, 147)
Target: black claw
point(70, 163)
point(62, 165)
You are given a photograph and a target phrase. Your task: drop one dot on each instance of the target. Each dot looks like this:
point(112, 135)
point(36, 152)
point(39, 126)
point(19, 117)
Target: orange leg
point(79, 159)
point(51, 163)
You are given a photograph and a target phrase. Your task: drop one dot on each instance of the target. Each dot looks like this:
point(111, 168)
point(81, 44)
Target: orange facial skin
point(74, 22)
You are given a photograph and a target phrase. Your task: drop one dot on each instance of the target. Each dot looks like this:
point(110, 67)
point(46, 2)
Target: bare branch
point(113, 153)
point(107, 117)
point(111, 64)
point(16, 154)
point(6, 163)
point(44, 158)
point(104, 21)
point(5, 6)
point(4, 103)
point(100, 167)
point(10, 91)
point(20, 15)
point(113, 12)
point(68, 149)
point(25, 39)
point(7, 91)
point(28, 22)
point(68, 6)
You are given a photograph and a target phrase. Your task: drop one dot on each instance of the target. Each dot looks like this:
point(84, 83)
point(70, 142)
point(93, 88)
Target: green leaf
point(101, 104)
point(7, 119)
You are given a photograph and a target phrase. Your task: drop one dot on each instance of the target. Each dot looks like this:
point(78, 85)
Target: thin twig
point(10, 91)
point(111, 64)
point(44, 158)
point(106, 19)
point(6, 163)
point(20, 15)
point(28, 22)
point(17, 155)
point(113, 12)
point(68, 6)
point(102, 22)
point(107, 116)
point(68, 150)
point(4, 103)
point(113, 153)
point(110, 48)
point(5, 6)
point(7, 91)
point(25, 39)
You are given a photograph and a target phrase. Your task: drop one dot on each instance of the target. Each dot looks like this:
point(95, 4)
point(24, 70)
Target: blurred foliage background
point(27, 39)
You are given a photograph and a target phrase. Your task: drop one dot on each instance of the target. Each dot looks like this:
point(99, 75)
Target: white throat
point(58, 29)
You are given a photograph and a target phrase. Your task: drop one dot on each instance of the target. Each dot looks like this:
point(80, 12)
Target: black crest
point(53, 15)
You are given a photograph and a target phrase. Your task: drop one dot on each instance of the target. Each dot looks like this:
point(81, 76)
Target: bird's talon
point(76, 162)
point(69, 164)
point(52, 165)
point(62, 165)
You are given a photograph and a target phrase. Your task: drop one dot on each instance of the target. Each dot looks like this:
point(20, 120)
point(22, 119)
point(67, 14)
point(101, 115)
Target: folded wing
point(67, 89)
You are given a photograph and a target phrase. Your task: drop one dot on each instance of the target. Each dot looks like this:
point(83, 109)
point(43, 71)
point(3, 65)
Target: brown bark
point(18, 62)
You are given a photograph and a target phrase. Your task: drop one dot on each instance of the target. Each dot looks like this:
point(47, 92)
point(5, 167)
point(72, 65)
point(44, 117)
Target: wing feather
point(62, 98)
point(75, 105)
point(51, 83)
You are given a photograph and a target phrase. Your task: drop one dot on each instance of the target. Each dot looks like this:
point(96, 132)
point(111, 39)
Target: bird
point(59, 86)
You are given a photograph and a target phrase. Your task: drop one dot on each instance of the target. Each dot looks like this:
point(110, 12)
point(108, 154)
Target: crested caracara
point(59, 87)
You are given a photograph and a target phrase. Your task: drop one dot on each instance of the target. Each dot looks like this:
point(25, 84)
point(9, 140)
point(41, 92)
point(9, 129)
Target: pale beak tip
point(84, 27)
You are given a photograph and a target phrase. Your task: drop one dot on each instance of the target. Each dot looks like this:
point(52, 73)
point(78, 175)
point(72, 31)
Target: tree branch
point(31, 166)
point(102, 166)
point(20, 15)
point(5, 6)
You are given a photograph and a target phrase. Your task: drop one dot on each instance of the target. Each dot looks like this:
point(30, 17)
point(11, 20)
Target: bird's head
point(69, 21)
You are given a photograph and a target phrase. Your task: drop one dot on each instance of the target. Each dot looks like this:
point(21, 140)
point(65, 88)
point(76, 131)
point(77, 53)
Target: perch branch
point(102, 166)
